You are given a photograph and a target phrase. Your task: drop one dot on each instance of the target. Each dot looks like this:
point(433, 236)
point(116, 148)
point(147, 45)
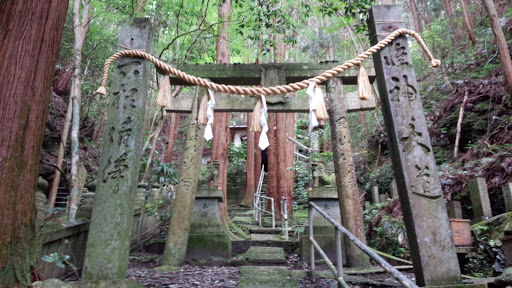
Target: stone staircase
point(266, 260)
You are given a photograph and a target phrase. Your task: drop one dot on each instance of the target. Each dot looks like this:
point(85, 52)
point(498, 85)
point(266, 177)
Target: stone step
point(269, 276)
point(243, 220)
point(265, 255)
point(254, 228)
point(274, 240)
point(246, 213)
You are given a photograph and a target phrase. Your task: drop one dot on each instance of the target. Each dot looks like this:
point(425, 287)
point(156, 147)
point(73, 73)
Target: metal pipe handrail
point(260, 210)
point(406, 282)
point(258, 192)
point(284, 217)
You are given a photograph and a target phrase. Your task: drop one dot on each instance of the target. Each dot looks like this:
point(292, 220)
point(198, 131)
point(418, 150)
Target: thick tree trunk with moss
point(220, 143)
point(30, 34)
point(501, 42)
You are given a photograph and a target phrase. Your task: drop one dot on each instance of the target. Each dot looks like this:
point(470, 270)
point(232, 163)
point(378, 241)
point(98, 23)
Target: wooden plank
point(250, 74)
point(237, 103)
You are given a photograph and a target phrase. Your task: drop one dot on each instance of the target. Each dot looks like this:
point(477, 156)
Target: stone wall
point(70, 237)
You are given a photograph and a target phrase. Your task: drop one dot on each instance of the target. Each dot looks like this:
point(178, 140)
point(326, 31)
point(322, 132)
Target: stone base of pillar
point(327, 199)
point(208, 236)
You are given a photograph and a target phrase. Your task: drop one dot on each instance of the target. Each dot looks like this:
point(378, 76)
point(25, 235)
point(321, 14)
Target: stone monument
point(208, 237)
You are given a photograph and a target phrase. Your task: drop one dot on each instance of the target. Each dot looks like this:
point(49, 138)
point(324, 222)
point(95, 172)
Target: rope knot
point(435, 63)
point(101, 91)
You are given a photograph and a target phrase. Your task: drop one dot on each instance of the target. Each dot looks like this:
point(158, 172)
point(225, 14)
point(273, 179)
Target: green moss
point(167, 268)
point(22, 257)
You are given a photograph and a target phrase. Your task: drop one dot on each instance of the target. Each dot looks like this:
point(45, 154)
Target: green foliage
point(160, 172)
point(382, 176)
point(237, 155)
point(62, 261)
point(385, 232)
point(303, 179)
point(488, 259)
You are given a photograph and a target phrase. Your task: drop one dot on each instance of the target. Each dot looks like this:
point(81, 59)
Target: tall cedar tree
point(501, 42)
point(30, 35)
point(221, 123)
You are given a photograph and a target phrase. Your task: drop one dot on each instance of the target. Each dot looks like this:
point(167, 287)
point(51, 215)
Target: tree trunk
point(449, 10)
point(220, 143)
point(175, 123)
point(415, 16)
point(467, 21)
point(250, 176)
point(501, 42)
point(30, 34)
point(158, 129)
point(426, 17)
point(60, 157)
point(81, 28)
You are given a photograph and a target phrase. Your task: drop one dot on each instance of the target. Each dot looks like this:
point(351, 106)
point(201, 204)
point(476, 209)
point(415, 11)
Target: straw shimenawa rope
point(221, 88)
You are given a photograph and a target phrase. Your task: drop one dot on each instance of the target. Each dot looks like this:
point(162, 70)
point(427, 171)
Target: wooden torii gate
point(428, 228)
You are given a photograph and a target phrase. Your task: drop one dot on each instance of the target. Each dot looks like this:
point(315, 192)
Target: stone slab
point(201, 246)
point(265, 237)
point(250, 74)
point(210, 193)
point(479, 199)
point(454, 209)
point(323, 193)
point(247, 282)
point(235, 103)
point(263, 230)
point(269, 276)
point(507, 196)
point(265, 255)
point(248, 213)
point(243, 220)
point(270, 253)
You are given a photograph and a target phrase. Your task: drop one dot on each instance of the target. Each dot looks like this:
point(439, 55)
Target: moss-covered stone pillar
point(108, 244)
point(348, 193)
point(179, 227)
point(421, 196)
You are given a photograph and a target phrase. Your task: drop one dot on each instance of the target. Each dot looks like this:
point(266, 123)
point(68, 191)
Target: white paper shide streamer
point(313, 122)
point(208, 132)
point(263, 142)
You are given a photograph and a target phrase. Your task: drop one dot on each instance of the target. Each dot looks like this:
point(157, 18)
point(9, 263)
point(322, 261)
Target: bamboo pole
point(459, 123)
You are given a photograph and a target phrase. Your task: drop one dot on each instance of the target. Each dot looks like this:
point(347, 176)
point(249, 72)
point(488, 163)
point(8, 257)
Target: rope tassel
point(263, 142)
point(164, 97)
point(321, 110)
point(201, 117)
point(256, 115)
point(364, 88)
point(208, 132)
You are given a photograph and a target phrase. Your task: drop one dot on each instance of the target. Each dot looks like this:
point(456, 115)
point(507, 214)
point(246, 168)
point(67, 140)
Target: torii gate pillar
point(421, 196)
